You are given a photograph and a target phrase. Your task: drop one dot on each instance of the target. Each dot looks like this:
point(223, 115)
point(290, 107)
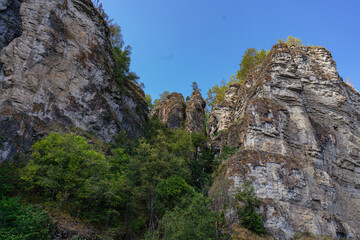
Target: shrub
point(248, 216)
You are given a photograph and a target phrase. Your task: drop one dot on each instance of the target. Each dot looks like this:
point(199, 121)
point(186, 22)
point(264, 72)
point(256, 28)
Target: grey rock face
point(297, 127)
point(4, 4)
point(9, 21)
point(195, 114)
point(172, 111)
point(58, 72)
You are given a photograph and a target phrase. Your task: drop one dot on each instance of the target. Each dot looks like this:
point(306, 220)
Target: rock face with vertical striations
point(171, 111)
point(195, 114)
point(56, 70)
point(296, 125)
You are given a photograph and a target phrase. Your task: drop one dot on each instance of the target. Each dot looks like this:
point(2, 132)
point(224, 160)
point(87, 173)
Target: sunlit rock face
point(195, 114)
point(171, 111)
point(296, 125)
point(57, 69)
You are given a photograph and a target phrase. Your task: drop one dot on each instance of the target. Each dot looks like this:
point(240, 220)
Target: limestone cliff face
point(195, 114)
point(172, 111)
point(297, 127)
point(56, 69)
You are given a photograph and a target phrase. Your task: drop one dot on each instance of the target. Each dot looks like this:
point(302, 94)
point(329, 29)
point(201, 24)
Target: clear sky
point(177, 42)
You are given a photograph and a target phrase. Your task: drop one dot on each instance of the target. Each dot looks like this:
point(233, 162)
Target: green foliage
point(133, 186)
point(251, 59)
point(291, 41)
point(21, 222)
point(216, 94)
point(149, 103)
point(7, 178)
point(122, 66)
point(195, 87)
point(66, 169)
point(1, 141)
point(248, 216)
point(170, 191)
point(193, 219)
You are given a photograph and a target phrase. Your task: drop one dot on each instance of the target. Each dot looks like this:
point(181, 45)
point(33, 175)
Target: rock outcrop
point(195, 114)
point(57, 68)
point(171, 111)
point(296, 125)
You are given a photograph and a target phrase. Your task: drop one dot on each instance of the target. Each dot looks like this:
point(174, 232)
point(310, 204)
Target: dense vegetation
point(131, 188)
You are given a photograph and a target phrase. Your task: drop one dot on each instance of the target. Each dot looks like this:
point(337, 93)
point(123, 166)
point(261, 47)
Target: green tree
point(23, 222)
point(195, 87)
point(248, 216)
point(251, 59)
point(216, 94)
point(66, 169)
point(291, 41)
point(192, 220)
point(170, 191)
point(149, 102)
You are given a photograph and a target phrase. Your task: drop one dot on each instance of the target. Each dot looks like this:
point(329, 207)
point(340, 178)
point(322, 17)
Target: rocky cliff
point(296, 125)
point(56, 70)
point(195, 114)
point(175, 114)
point(171, 111)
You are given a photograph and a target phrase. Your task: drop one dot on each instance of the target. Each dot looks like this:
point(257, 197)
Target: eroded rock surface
point(10, 21)
point(172, 111)
point(58, 72)
point(297, 127)
point(195, 114)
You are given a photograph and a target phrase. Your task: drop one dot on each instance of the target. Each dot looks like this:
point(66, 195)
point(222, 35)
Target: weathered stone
point(9, 21)
point(58, 72)
point(171, 111)
point(4, 4)
point(195, 114)
point(297, 127)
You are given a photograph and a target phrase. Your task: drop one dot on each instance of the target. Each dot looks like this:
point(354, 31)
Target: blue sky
point(177, 42)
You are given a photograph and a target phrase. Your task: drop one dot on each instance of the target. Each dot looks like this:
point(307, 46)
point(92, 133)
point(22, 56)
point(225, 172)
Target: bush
point(248, 216)
point(20, 222)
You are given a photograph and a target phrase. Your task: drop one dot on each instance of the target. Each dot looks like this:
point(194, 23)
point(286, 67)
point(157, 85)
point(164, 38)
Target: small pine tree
point(195, 87)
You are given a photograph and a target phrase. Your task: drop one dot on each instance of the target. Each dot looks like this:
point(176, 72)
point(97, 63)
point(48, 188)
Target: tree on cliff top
point(250, 60)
